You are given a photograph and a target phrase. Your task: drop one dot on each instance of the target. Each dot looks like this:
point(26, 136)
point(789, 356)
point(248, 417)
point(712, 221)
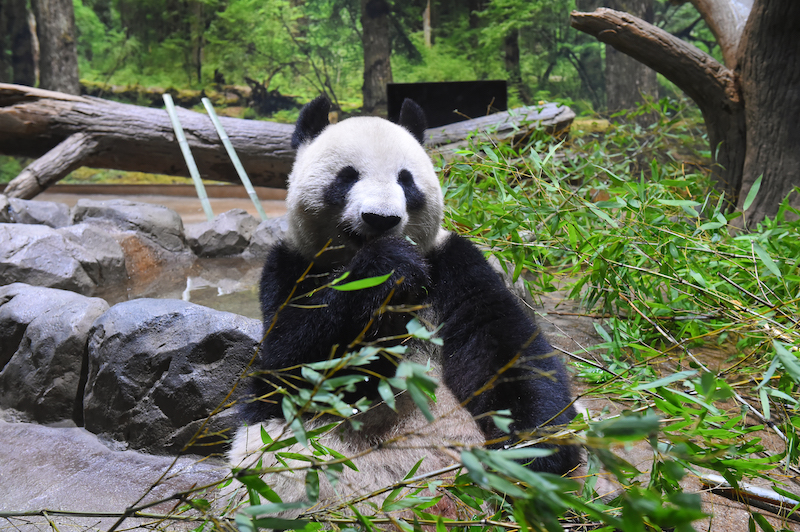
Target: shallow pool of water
point(227, 284)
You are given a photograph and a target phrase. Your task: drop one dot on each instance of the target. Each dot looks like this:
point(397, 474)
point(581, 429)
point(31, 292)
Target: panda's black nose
point(380, 222)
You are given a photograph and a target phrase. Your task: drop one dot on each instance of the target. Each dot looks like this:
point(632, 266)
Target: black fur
point(336, 193)
point(313, 119)
point(484, 328)
point(415, 199)
point(412, 117)
point(303, 335)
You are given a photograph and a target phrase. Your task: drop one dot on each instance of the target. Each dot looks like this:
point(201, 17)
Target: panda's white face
point(359, 179)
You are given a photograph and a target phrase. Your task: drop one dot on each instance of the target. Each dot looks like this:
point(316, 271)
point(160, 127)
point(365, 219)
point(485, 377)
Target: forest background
point(302, 49)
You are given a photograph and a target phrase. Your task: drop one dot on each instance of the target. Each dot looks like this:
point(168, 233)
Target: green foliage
point(304, 48)
point(10, 167)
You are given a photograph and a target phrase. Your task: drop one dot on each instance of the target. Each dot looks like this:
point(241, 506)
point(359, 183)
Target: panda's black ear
point(313, 119)
point(412, 117)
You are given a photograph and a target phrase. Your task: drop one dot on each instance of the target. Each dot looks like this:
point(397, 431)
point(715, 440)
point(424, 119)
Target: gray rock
point(43, 335)
point(48, 213)
point(267, 234)
point(78, 258)
point(41, 256)
point(158, 368)
point(67, 468)
point(158, 223)
point(98, 252)
point(228, 234)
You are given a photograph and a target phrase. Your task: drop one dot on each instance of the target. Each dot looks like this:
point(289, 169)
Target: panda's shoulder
point(456, 255)
point(282, 267)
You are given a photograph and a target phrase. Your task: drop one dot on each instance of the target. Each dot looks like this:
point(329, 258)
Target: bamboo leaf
point(361, 284)
point(680, 376)
point(766, 260)
point(751, 194)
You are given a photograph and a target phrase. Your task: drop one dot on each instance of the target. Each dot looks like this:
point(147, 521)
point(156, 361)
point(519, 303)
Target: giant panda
point(363, 198)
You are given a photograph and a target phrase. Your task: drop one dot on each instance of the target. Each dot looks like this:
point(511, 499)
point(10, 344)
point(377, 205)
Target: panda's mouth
point(358, 240)
point(354, 238)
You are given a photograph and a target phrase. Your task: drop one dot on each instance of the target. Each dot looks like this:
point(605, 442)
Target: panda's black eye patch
point(348, 174)
point(336, 192)
point(415, 199)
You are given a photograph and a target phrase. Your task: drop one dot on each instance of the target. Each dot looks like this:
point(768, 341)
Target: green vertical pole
point(187, 156)
point(234, 158)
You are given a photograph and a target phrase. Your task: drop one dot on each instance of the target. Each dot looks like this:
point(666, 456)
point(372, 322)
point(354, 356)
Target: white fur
point(384, 451)
point(379, 150)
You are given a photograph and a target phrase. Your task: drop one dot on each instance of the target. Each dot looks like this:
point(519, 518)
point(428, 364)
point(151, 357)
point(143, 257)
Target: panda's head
point(360, 179)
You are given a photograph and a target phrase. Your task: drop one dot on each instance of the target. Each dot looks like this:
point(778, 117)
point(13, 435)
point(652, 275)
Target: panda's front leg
point(307, 321)
point(494, 357)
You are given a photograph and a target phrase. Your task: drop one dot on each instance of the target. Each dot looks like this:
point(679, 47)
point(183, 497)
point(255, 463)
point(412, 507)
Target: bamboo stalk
point(187, 156)
point(234, 158)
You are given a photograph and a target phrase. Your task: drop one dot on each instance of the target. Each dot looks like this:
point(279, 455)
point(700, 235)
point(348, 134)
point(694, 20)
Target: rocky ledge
point(144, 373)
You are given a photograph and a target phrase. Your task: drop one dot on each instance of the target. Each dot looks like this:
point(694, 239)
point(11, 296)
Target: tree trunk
point(196, 31)
point(66, 132)
point(15, 36)
point(427, 30)
point(769, 70)
point(55, 27)
point(511, 58)
point(377, 55)
point(712, 86)
point(752, 116)
point(628, 80)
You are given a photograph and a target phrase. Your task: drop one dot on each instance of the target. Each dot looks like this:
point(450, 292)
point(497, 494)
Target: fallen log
point(68, 132)
point(64, 132)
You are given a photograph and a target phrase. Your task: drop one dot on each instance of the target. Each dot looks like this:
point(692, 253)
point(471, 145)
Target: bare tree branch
point(726, 19)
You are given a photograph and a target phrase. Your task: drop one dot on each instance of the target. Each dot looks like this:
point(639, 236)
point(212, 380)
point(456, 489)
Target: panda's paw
point(392, 254)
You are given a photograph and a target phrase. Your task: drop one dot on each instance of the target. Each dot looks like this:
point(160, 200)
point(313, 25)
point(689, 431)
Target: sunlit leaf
point(361, 284)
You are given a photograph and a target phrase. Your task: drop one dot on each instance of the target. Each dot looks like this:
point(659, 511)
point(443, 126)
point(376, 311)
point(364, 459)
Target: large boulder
point(41, 256)
point(59, 258)
point(68, 468)
point(158, 368)
point(48, 213)
point(100, 255)
point(157, 223)
point(228, 234)
point(267, 234)
point(43, 337)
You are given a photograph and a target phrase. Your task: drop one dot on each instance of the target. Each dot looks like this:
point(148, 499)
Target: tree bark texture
point(712, 86)
point(769, 69)
point(16, 37)
point(377, 55)
point(627, 80)
point(66, 132)
point(58, 63)
point(726, 19)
